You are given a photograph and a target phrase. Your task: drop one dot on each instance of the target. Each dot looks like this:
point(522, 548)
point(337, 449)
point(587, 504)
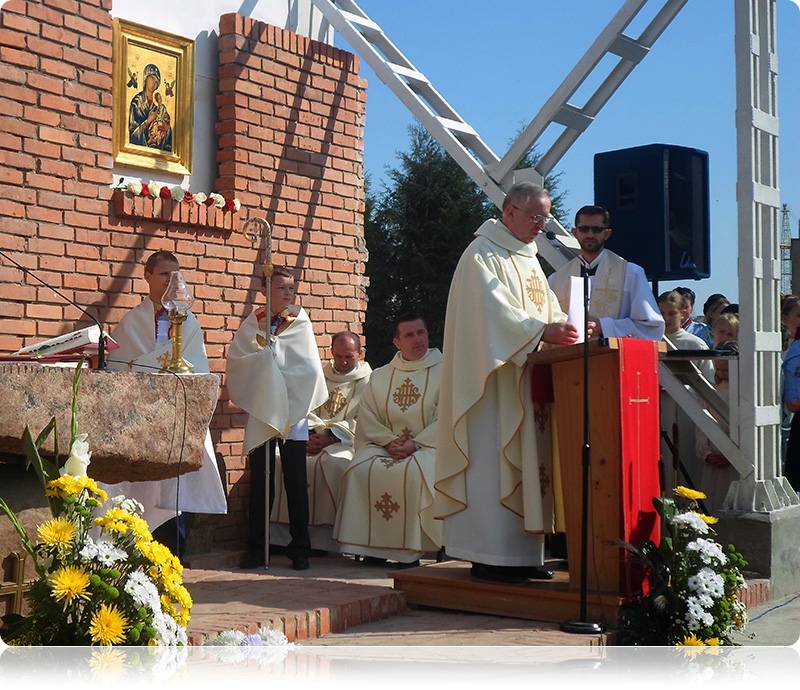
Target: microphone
point(550, 235)
point(101, 344)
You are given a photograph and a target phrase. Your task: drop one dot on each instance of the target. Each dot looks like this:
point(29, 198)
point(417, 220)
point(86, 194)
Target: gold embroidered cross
point(535, 290)
point(387, 506)
point(406, 395)
point(335, 402)
point(165, 359)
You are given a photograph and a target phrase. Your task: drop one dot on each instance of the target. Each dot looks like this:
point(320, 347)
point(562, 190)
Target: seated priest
point(330, 444)
point(385, 506)
point(145, 345)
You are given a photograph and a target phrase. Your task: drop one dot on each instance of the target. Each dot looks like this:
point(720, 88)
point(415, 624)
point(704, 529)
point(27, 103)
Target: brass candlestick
point(177, 300)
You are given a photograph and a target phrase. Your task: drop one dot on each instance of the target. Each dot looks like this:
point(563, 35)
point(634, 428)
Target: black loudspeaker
point(657, 196)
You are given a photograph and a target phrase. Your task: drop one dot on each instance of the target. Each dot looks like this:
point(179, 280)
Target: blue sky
point(498, 62)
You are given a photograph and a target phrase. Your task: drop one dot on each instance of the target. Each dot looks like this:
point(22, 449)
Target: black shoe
point(509, 574)
point(404, 566)
point(300, 563)
point(537, 572)
point(373, 560)
point(252, 560)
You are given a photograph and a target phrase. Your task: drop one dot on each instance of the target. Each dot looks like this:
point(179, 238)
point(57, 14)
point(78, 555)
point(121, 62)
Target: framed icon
point(153, 90)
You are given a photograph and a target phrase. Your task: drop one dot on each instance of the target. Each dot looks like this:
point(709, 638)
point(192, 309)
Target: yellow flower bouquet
point(101, 579)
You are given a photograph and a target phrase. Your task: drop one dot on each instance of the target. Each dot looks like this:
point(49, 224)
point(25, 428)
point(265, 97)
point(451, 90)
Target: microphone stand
point(101, 342)
point(582, 626)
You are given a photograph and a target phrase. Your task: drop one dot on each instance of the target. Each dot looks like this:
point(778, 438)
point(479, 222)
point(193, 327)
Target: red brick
point(45, 48)
point(95, 47)
point(54, 102)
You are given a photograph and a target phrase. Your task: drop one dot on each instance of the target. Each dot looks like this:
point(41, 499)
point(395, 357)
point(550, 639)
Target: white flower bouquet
point(693, 583)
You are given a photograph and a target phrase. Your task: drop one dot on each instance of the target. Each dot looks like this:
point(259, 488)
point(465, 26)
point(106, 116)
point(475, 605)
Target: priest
point(330, 443)
point(494, 477)
point(386, 498)
point(145, 345)
point(621, 301)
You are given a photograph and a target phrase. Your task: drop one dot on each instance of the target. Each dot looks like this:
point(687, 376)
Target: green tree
point(416, 229)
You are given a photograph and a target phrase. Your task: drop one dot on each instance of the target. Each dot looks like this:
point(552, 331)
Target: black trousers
point(295, 481)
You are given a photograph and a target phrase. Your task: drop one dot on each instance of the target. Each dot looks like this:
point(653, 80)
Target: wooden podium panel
point(624, 445)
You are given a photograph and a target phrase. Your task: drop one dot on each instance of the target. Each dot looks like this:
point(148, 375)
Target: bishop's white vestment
point(337, 417)
point(385, 505)
point(494, 478)
point(145, 348)
point(620, 297)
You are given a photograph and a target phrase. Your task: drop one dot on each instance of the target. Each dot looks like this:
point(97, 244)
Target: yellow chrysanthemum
point(691, 641)
point(70, 583)
point(108, 625)
point(708, 519)
point(74, 486)
point(712, 642)
point(58, 532)
point(691, 494)
point(183, 617)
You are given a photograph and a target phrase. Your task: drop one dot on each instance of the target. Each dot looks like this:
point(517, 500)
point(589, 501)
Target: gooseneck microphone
point(101, 343)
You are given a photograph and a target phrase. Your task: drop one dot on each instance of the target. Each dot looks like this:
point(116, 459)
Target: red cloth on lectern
point(639, 410)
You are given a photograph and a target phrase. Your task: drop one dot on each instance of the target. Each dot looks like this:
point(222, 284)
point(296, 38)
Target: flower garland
point(179, 194)
point(118, 587)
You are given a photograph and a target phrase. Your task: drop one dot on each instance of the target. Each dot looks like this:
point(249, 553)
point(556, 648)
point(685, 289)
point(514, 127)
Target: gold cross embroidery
point(165, 359)
point(535, 290)
point(387, 506)
point(406, 395)
point(336, 401)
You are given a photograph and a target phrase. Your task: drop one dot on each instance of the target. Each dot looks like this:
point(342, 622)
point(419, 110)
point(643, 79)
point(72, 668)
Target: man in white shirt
point(621, 301)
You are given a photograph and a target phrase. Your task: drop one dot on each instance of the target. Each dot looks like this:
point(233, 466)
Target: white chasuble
point(620, 297)
point(494, 478)
point(386, 505)
point(194, 492)
point(337, 417)
point(277, 385)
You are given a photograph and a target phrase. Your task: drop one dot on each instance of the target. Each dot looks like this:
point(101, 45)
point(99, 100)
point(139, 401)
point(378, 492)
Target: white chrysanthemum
point(89, 550)
point(272, 638)
point(108, 554)
point(692, 520)
point(143, 590)
point(129, 505)
point(228, 638)
point(200, 197)
point(709, 551)
point(177, 193)
point(153, 188)
point(705, 601)
point(135, 187)
point(219, 200)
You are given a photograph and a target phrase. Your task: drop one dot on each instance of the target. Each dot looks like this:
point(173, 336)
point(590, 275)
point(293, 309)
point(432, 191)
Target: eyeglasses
point(596, 229)
point(537, 218)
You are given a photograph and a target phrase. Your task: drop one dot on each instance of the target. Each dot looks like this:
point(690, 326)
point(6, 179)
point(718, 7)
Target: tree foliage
point(416, 229)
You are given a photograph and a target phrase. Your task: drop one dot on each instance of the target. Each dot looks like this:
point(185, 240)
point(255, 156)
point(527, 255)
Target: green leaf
point(23, 535)
point(74, 426)
point(46, 470)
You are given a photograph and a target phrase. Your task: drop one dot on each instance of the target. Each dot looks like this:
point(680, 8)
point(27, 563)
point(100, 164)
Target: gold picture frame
point(153, 94)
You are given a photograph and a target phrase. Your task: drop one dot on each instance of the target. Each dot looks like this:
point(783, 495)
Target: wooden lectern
point(624, 441)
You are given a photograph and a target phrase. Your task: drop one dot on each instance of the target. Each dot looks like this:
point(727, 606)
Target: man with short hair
point(494, 472)
point(386, 498)
point(330, 442)
point(274, 374)
point(620, 300)
point(145, 345)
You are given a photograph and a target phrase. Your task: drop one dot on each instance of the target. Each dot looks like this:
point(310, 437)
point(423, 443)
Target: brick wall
point(290, 142)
